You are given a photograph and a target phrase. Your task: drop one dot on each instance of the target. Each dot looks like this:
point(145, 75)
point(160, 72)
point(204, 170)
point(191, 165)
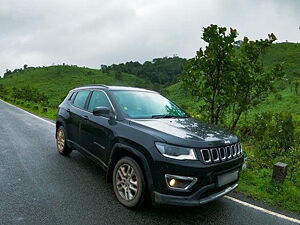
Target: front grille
point(224, 153)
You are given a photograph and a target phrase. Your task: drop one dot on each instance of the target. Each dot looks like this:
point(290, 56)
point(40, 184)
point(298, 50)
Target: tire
point(61, 143)
point(125, 183)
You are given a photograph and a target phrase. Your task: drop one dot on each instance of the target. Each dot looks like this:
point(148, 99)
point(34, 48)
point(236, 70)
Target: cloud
point(94, 32)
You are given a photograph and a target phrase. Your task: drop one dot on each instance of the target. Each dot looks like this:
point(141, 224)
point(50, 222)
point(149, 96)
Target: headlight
point(176, 152)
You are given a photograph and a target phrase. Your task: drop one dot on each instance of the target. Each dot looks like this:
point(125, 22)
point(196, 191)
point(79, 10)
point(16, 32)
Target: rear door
point(96, 131)
point(77, 114)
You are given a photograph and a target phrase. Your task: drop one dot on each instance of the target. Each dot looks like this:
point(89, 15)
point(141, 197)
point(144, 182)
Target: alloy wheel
point(60, 140)
point(127, 182)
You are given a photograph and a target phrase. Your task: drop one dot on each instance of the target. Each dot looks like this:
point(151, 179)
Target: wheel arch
point(121, 150)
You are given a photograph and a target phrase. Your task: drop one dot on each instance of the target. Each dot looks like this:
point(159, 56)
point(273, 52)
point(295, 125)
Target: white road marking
point(35, 116)
point(228, 197)
point(263, 210)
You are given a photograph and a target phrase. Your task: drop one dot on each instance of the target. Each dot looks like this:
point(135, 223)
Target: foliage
point(209, 75)
point(228, 80)
point(287, 53)
point(56, 81)
point(118, 74)
point(30, 94)
point(3, 90)
point(274, 137)
point(161, 71)
point(252, 83)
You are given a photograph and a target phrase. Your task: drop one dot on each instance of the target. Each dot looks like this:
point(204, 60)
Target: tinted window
point(98, 98)
point(70, 96)
point(81, 98)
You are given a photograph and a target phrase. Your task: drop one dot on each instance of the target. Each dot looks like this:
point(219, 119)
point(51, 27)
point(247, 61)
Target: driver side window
point(98, 99)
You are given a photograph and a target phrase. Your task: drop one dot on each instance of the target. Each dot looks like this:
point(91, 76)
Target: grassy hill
point(289, 53)
point(56, 81)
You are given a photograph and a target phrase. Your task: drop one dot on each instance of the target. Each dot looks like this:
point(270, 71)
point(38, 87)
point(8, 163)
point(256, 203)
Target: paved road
point(39, 186)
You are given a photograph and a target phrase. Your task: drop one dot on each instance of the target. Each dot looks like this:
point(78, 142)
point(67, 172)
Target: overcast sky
point(94, 32)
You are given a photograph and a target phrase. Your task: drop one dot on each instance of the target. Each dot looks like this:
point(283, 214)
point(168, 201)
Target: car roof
point(117, 88)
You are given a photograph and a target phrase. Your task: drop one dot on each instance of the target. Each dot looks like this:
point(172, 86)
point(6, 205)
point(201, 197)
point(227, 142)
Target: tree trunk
point(236, 120)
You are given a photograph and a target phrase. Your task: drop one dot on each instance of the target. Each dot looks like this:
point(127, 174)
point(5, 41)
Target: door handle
point(68, 110)
point(85, 117)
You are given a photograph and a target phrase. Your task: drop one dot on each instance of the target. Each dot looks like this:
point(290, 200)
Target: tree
point(252, 82)
point(7, 73)
point(3, 91)
point(229, 80)
point(25, 66)
point(104, 68)
point(118, 74)
point(209, 76)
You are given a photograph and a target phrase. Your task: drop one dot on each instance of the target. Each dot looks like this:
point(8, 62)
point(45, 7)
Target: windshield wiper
point(163, 116)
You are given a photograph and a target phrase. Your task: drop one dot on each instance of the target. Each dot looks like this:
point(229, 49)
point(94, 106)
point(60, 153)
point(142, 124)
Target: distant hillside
point(56, 81)
point(289, 53)
point(160, 71)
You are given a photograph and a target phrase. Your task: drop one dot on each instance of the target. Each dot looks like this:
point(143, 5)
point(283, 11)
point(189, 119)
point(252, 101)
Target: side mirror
point(101, 111)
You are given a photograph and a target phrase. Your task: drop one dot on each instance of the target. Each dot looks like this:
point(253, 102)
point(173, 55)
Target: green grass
point(288, 53)
point(56, 81)
point(51, 113)
point(258, 185)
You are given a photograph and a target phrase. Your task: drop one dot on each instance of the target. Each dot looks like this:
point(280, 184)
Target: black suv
point(148, 145)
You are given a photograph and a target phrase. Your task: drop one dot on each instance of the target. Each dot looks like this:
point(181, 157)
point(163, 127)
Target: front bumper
point(195, 199)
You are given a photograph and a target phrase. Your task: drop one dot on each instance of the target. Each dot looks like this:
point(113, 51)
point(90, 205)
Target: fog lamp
point(172, 182)
point(182, 183)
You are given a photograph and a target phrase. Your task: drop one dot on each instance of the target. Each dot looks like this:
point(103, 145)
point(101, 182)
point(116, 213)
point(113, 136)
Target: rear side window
point(98, 99)
point(80, 99)
point(71, 96)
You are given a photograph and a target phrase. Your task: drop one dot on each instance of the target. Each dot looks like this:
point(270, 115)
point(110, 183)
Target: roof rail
point(93, 85)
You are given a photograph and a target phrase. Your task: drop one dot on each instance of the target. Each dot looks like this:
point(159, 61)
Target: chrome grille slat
point(228, 152)
point(215, 151)
point(221, 154)
point(204, 153)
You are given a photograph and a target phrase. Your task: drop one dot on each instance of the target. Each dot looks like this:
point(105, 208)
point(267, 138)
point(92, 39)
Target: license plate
point(227, 178)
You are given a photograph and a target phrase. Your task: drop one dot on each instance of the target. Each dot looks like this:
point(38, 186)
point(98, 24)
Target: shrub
point(273, 137)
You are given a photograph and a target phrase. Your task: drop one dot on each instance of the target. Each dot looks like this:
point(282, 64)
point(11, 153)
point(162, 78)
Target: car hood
point(185, 129)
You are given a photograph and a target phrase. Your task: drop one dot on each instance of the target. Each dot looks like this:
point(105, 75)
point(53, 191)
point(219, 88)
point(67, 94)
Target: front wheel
point(61, 142)
point(129, 183)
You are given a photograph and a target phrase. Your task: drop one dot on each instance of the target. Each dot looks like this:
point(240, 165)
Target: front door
point(95, 130)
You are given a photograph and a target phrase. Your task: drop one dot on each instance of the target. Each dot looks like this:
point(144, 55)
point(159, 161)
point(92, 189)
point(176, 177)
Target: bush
point(273, 137)
point(36, 107)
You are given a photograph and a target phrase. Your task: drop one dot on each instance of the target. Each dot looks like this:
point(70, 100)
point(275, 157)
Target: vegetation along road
point(39, 186)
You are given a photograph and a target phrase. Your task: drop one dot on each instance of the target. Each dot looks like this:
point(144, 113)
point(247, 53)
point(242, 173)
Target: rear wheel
point(61, 142)
point(129, 183)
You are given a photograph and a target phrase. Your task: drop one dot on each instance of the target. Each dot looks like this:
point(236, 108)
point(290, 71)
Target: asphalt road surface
point(39, 186)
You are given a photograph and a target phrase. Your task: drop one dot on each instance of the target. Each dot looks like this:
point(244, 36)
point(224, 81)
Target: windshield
point(141, 104)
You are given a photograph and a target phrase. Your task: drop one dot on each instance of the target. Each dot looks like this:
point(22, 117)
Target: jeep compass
point(148, 146)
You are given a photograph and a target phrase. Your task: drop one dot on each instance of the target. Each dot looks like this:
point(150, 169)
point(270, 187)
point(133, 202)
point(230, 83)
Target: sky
point(94, 32)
